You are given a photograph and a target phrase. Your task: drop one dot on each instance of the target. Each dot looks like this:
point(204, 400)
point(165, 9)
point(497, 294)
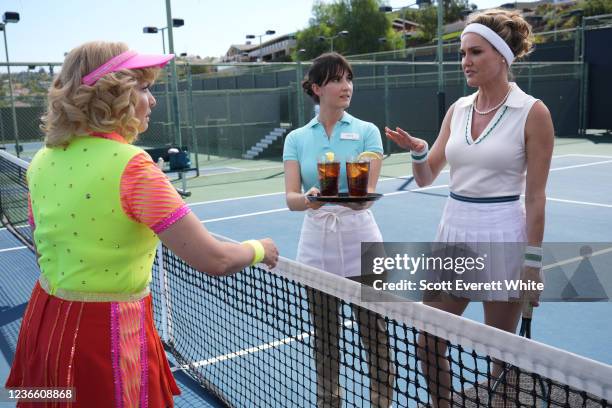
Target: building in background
point(405, 27)
point(276, 49)
point(238, 53)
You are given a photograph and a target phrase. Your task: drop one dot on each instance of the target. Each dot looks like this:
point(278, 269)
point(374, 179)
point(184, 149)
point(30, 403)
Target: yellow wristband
point(258, 248)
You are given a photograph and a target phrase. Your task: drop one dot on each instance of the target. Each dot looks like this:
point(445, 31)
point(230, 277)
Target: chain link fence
point(231, 110)
point(244, 110)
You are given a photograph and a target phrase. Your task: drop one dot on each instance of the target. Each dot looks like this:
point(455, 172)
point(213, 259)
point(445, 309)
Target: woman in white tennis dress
point(498, 143)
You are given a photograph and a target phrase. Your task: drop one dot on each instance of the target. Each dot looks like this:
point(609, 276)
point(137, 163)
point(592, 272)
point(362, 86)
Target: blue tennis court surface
point(579, 209)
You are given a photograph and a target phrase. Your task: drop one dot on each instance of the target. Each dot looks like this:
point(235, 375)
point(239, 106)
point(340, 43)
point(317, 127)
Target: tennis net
point(250, 340)
point(14, 197)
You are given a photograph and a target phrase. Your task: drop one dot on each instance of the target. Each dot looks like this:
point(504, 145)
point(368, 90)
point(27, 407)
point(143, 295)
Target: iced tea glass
point(357, 173)
point(329, 170)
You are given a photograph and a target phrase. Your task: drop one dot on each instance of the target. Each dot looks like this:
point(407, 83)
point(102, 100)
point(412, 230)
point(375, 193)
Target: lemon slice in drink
point(329, 156)
point(368, 156)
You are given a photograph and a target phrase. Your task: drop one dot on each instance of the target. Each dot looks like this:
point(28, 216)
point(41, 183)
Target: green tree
point(365, 24)
point(427, 17)
point(308, 40)
point(595, 7)
point(361, 18)
point(561, 17)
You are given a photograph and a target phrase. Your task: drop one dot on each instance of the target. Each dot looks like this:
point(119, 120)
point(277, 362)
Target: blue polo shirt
point(350, 137)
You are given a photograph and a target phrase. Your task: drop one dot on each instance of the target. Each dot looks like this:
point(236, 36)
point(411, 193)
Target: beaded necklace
point(482, 137)
point(495, 107)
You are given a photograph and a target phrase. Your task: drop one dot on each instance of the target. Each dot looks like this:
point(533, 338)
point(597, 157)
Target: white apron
point(331, 239)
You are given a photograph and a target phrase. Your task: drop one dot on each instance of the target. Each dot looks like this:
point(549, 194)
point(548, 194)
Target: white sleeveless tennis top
point(495, 164)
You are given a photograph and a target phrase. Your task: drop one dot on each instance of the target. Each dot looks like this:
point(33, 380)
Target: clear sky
point(48, 28)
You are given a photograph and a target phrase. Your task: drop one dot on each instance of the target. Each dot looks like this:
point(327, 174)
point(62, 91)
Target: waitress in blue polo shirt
point(332, 234)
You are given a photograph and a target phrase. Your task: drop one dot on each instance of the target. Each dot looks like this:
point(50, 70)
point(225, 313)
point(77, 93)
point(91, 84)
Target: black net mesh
point(14, 197)
point(258, 339)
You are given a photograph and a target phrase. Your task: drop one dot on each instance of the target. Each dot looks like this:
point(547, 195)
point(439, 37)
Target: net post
point(163, 292)
point(386, 90)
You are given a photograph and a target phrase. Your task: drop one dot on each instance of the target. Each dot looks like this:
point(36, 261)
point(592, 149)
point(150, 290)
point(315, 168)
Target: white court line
point(383, 179)
point(277, 343)
point(223, 200)
point(13, 249)
point(22, 226)
point(589, 155)
point(576, 259)
point(238, 169)
point(222, 167)
point(232, 217)
point(553, 169)
point(251, 350)
point(393, 194)
point(560, 200)
point(244, 215)
point(581, 165)
point(416, 190)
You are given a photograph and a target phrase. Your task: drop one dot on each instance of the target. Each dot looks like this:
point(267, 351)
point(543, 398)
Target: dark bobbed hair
point(325, 68)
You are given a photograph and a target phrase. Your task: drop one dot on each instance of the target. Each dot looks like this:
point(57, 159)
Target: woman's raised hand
point(404, 140)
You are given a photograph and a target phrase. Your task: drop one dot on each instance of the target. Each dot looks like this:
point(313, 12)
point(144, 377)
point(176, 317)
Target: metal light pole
point(11, 17)
point(174, 81)
point(441, 95)
point(342, 33)
point(440, 54)
point(252, 36)
point(176, 22)
point(389, 9)
point(299, 76)
point(194, 137)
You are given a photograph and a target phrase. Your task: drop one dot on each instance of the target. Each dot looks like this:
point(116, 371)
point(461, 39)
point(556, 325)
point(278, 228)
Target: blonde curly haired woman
point(98, 208)
point(498, 143)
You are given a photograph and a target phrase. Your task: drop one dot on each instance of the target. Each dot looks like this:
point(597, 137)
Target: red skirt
point(108, 352)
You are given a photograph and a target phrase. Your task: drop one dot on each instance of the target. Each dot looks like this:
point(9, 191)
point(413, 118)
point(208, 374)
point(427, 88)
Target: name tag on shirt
point(349, 136)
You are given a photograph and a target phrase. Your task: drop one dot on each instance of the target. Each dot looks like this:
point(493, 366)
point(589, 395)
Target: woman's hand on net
point(404, 140)
point(314, 205)
point(270, 251)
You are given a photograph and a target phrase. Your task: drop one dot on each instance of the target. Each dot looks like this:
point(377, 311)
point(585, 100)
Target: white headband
point(491, 36)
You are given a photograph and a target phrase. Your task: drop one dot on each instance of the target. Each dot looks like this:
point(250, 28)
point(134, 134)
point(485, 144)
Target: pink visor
point(126, 60)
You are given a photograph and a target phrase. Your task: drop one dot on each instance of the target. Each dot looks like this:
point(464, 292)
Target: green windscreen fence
point(220, 118)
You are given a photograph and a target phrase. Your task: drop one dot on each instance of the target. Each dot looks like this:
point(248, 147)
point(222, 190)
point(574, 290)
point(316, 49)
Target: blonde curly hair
point(510, 26)
point(107, 106)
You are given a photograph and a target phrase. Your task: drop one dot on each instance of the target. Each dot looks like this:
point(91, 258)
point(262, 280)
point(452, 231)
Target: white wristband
point(421, 155)
point(533, 257)
point(534, 250)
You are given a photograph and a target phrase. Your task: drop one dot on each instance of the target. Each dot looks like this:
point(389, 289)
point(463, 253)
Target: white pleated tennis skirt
point(495, 229)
